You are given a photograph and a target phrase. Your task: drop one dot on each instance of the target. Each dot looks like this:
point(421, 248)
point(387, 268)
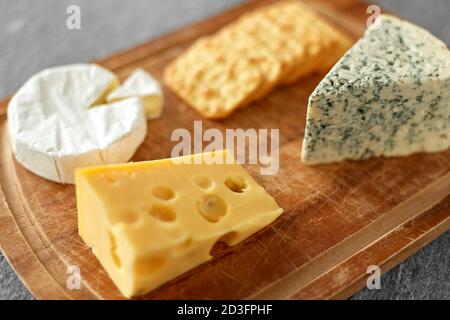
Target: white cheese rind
point(141, 84)
point(54, 129)
point(388, 96)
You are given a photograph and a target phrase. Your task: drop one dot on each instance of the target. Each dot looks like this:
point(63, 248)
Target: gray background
point(33, 36)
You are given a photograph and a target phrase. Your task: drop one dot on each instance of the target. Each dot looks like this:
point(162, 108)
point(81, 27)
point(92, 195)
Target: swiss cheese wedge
point(148, 222)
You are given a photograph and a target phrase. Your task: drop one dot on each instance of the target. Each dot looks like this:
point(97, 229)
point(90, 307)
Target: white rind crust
point(141, 84)
point(54, 129)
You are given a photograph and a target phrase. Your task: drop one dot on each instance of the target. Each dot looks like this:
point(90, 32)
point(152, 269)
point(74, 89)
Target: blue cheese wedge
point(388, 96)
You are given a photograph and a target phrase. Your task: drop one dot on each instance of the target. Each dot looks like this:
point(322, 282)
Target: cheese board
point(339, 219)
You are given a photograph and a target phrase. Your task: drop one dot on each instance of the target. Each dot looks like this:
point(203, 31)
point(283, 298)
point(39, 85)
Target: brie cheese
point(142, 85)
point(58, 122)
point(388, 96)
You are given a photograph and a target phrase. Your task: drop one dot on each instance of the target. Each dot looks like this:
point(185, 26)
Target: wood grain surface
point(339, 219)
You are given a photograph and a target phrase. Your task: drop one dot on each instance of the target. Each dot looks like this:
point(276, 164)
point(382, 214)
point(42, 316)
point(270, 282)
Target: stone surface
point(34, 36)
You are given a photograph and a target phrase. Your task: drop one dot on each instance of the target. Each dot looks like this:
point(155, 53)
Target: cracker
point(243, 45)
point(212, 82)
point(323, 44)
point(245, 60)
point(278, 41)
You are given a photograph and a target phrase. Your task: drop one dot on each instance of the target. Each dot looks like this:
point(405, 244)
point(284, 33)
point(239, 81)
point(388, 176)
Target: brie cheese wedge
point(142, 85)
point(58, 122)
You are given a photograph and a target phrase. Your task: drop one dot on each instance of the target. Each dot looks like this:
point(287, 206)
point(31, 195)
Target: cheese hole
point(113, 247)
point(162, 213)
point(212, 207)
point(146, 266)
point(203, 182)
point(163, 193)
point(236, 183)
point(228, 238)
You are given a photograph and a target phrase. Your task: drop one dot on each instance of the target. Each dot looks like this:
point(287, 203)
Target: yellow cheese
point(148, 222)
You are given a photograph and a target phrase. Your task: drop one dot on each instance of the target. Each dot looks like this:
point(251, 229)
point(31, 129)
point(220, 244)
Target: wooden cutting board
point(339, 219)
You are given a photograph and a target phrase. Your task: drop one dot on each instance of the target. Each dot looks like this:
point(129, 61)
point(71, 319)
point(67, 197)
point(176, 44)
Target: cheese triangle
point(388, 96)
point(142, 85)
